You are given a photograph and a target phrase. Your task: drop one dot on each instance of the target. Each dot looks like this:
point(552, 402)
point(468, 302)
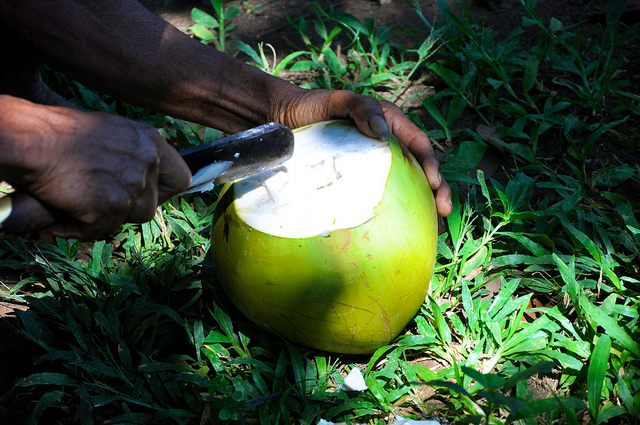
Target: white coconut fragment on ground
point(354, 381)
point(343, 180)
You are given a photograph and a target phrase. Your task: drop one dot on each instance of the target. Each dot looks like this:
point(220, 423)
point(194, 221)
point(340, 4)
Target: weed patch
point(532, 314)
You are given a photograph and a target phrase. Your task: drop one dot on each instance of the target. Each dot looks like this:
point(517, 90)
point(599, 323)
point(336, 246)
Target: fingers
point(365, 111)
point(145, 202)
point(378, 126)
point(166, 177)
point(420, 146)
point(174, 175)
point(379, 118)
point(443, 199)
point(98, 170)
point(134, 199)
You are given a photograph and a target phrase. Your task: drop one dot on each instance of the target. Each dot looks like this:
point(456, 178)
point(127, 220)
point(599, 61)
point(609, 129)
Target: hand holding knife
point(228, 159)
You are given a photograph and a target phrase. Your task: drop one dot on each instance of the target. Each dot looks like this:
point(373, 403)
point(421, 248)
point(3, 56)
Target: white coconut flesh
point(202, 180)
point(333, 181)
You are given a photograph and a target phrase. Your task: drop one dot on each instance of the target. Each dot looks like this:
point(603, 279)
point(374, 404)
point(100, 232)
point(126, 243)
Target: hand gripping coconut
point(335, 248)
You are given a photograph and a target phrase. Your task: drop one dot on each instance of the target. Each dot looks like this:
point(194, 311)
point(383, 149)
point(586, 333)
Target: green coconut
point(335, 249)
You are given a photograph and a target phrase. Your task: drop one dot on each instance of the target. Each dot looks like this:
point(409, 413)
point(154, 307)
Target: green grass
point(536, 283)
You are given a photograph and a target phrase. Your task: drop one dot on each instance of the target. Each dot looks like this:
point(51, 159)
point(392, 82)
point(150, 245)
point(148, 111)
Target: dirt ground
point(265, 21)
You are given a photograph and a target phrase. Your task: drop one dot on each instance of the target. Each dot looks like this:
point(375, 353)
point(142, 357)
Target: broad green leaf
point(441, 325)
point(204, 19)
point(462, 159)
point(526, 343)
point(538, 407)
point(35, 328)
point(377, 355)
point(625, 393)
point(376, 388)
point(248, 50)
point(488, 381)
point(416, 341)
point(518, 110)
point(533, 247)
point(519, 149)
point(518, 193)
point(467, 303)
point(231, 12)
point(532, 337)
point(454, 220)
point(540, 367)
point(610, 411)
point(218, 6)
point(216, 337)
point(496, 84)
point(567, 361)
point(381, 78)
point(435, 113)
point(449, 385)
point(284, 62)
point(513, 404)
point(349, 21)
point(530, 74)
point(505, 294)
point(198, 337)
point(615, 176)
point(297, 364)
point(348, 406)
point(610, 325)
point(478, 259)
point(424, 373)
point(43, 404)
point(335, 66)
point(567, 271)
point(456, 107)
point(555, 25)
point(202, 32)
point(47, 378)
point(562, 63)
point(304, 66)
point(598, 365)
point(449, 76)
point(496, 332)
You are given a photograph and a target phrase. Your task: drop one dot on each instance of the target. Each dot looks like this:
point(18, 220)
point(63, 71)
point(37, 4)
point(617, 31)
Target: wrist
point(231, 96)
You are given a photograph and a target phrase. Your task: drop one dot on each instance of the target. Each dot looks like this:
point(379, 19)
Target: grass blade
point(598, 366)
point(610, 325)
point(43, 404)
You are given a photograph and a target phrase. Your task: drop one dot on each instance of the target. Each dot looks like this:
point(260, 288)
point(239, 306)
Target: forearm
point(121, 48)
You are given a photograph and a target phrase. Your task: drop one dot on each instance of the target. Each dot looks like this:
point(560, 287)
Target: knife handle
point(21, 214)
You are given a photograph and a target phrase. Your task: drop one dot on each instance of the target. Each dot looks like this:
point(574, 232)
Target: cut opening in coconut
point(333, 181)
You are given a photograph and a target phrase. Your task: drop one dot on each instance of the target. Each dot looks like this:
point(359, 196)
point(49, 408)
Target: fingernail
point(379, 126)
